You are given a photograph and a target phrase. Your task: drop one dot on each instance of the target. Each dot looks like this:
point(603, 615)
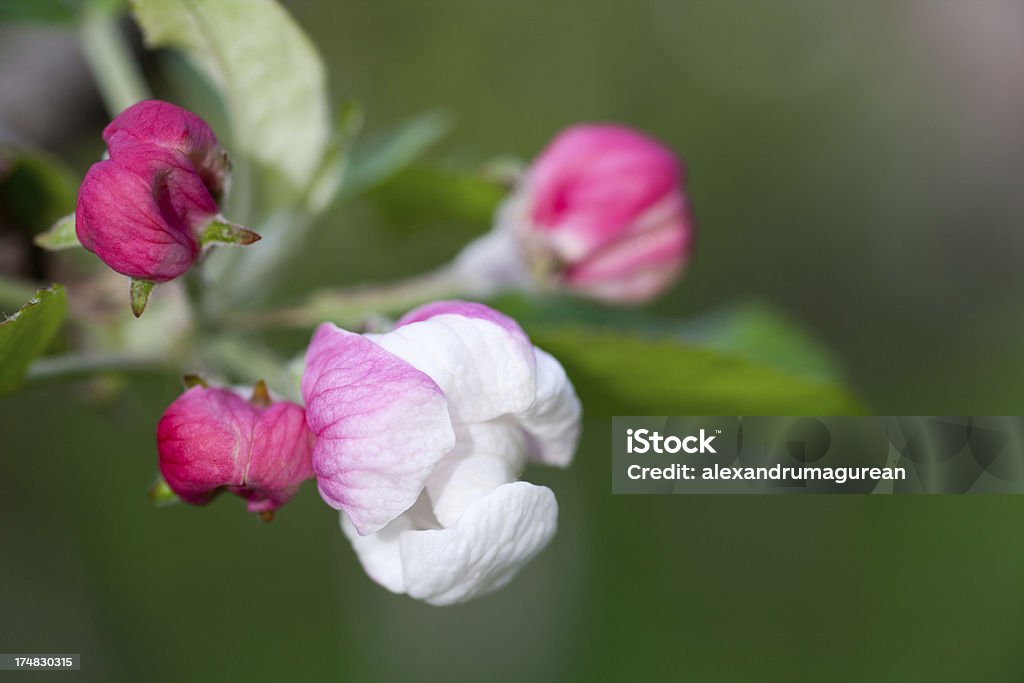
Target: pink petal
point(204, 439)
point(165, 125)
point(593, 181)
point(381, 426)
point(281, 457)
point(643, 261)
point(141, 213)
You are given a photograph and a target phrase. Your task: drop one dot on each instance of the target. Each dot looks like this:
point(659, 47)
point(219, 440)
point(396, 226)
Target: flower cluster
point(418, 435)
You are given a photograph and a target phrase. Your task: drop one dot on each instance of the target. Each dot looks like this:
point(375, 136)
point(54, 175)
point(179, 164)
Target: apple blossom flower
point(601, 212)
point(422, 433)
point(147, 210)
point(211, 439)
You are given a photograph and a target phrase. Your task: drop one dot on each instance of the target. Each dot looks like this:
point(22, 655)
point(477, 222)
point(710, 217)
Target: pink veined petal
point(119, 218)
point(281, 457)
point(483, 364)
point(381, 426)
point(204, 439)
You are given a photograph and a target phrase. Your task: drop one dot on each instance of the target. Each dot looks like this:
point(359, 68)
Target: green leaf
point(49, 11)
point(418, 194)
point(328, 181)
point(27, 333)
point(618, 374)
point(383, 155)
point(266, 69)
point(223, 231)
point(763, 334)
point(756, 331)
point(60, 236)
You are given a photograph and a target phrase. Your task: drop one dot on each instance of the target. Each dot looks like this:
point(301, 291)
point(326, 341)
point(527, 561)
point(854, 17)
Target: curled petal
point(553, 421)
point(486, 455)
point(493, 538)
point(381, 426)
point(479, 553)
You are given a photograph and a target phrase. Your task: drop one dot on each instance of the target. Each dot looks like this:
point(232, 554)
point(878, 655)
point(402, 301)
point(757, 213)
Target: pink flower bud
point(165, 125)
point(607, 202)
point(601, 212)
point(143, 210)
point(141, 213)
point(211, 439)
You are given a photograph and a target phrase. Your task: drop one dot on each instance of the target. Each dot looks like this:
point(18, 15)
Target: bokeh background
point(857, 165)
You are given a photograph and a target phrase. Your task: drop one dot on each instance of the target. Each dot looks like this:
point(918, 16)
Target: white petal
point(486, 455)
point(553, 421)
point(484, 549)
point(380, 553)
point(484, 369)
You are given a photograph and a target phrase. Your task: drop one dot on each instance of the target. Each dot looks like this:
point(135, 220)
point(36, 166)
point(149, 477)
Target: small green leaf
point(140, 291)
point(192, 380)
point(267, 71)
point(60, 236)
point(618, 374)
point(222, 231)
point(382, 156)
point(27, 333)
point(160, 494)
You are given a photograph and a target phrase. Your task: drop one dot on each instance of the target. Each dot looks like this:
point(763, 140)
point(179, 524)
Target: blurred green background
point(857, 165)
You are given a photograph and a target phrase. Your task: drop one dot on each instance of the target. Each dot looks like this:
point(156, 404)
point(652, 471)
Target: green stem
point(73, 364)
point(353, 307)
point(118, 76)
